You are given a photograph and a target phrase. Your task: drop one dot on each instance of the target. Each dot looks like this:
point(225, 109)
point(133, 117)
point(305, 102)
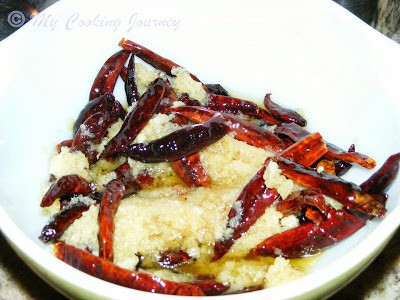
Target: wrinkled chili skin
point(178, 144)
point(114, 192)
point(190, 170)
point(65, 143)
point(296, 132)
point(131, 91)
point(254, 199)
point(125, 184)
point(197, 114)
point(123, 170)
point(123, 73)
point(184, 97)
point(168, 99)
point(61, 221)
point(309, 238)
point(217, 89)
point(342, 167)
point(238, 106)
point(242, 130)
point(105, 270)
point(91, 132)
point(284, 114)
point(65, 186)
point(118, 111)
point(347, 193)
point(154, 59)
point(254, 135)
point(137, 118)
point(299, 200)
point(112, 196)
point(335, 152)
point(171, 258)
point(107, 77)
point(307, 150)
point(382, 179)
point(292, 131)
point(102, 103)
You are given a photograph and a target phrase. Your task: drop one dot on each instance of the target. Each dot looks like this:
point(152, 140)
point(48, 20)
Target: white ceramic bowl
point(310, 54)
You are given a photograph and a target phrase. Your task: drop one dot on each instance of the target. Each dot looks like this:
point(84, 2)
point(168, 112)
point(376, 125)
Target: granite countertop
point(381, 280)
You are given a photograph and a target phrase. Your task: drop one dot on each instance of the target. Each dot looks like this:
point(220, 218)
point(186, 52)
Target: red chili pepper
point(178, 144)
point(90, 133)
point(191, 171)
point(114, 192)
point(132, 95)
point(291, 130)
point(66, 186)
point(309, 238)
point(107, 77)
point(238, 106)
point(254, 135)
point(112, 196)
point(313, 215)
point(242, 130)
point(123, 170)
point(382, 179)
point(297, 201)
point(153, 59)
point(342, 167)
point(295, 132)
point(217, 89)
point(172, 258)
point(137, 118)
point(251, 204)
point(255, 198)
point(65, 143)
point(197, 114)
point(335, 152)
point(124, 73)
point(105, 270)
point(61, 221)
point(149, 56)
point(185, 98)
point(284, 114)
point(347, 193)
point(102, 103)
point(307, 150)
point(166, 102)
